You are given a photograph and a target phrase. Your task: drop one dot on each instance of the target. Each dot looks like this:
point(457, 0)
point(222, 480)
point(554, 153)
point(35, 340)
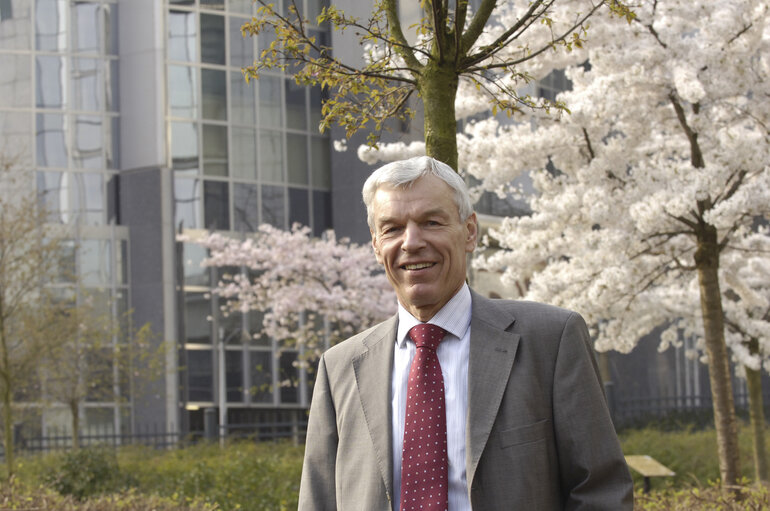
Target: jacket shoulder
point(356, 344)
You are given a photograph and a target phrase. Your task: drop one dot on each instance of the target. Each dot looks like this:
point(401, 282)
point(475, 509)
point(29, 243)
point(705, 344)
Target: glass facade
point(242, 153)
point(59, 119)
point(239, 154)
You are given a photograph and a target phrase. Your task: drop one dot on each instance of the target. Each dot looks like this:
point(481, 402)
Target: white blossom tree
point(311, 290)
point(651, 186)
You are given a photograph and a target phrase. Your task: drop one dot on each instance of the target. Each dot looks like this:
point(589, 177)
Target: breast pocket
point(522, 435)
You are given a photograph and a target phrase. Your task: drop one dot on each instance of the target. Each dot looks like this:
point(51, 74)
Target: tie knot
point(427, 335)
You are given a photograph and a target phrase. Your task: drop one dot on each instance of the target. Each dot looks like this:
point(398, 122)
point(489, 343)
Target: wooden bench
point(648, 467)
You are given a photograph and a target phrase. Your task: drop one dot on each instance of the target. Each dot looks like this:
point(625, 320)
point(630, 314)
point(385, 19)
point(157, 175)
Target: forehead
point(427, 195)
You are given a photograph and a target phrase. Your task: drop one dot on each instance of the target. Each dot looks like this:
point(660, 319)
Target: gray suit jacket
point(539, 436)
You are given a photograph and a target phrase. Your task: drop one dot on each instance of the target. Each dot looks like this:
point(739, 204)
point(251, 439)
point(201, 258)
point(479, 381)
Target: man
point(522, 423)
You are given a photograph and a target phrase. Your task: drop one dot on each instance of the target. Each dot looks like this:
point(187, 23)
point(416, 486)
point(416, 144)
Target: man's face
point(422, 243)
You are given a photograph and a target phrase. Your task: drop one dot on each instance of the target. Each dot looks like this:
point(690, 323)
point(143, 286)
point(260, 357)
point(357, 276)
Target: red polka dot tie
point(424, 462)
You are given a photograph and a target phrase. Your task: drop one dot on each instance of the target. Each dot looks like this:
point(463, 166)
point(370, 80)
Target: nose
point(413, 238)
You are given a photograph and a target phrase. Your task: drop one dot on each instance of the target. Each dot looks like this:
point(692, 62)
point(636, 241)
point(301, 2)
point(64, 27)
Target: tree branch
point(476, 27)
point(402, 47)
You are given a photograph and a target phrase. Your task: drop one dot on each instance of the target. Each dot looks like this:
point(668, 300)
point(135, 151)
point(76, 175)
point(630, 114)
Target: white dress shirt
point(453, 352)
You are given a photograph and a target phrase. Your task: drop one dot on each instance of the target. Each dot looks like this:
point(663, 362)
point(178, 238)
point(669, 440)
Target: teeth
point(418, 266)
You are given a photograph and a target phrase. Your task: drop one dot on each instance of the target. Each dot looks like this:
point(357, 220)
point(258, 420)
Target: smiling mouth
point(417, 266)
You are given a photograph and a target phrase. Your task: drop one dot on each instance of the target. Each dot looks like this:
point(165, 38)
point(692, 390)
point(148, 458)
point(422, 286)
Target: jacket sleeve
point(594, 473)
point(317, 488)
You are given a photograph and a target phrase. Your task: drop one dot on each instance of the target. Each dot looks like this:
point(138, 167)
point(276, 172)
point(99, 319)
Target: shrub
point(86, 472)
point(711, 498)
point(16, 496)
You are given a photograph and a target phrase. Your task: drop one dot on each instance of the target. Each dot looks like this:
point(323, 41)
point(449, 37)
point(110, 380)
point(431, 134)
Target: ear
point(376, 248)
point(472, 232)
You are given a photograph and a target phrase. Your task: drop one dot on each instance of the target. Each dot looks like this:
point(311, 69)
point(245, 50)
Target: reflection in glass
point(87, 22)
point(89, 194)
point(299, 207)
point(193, 255)
point(244, 153)
point(53, 196)
point(111, 22)
point(234, 375)
point(87, 143)
point(216, 205)
point(212, 39)
point(188, 204)
point(270, 156)
point(296, 158)
point(273, 206)
point(15, 25)
point(50, 81)
point(111, 85)
point(261, 376)
point(86, 84)
point(242, 107)
point(200, 376)
point(183, 91)
point(50, 145)
point(182, 36)
point(322, 212)
point(269, 100)
point(15, 80)
point(246, 207)
point(15, 129)
point(94, 263)
point(295, 106)
point(184, 146)
point(213, 4)
point(50, 25)
point(121, 265)
point(214, 92)
point(112, 142)
point(320, 150)
point(214, 150)
point(241, 48)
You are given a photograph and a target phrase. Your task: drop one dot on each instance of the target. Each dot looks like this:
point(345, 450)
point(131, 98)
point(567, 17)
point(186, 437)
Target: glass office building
point(136, 124)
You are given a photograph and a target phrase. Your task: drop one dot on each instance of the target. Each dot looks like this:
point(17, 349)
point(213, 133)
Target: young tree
point(311, 291)
point(656, 177)
point(29, 257)
point(99, 356)
point(487, 50)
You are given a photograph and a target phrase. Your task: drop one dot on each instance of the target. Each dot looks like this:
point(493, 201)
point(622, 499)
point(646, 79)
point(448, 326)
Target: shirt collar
point(454, 317)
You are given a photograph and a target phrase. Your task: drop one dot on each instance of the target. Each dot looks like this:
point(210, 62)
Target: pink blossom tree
point(314, 292)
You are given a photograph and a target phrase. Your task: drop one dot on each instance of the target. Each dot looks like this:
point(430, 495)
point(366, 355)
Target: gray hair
point(401, 174)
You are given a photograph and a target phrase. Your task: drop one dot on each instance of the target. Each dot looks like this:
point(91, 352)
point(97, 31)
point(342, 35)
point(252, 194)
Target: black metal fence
point(156, 437)
point(671, 412)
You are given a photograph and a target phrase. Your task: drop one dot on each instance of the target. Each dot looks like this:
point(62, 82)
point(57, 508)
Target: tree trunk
point(438, 89)
point(757, 414)
point(8, 430)
point(5, 376)
point(75, 425)
point(707, 264)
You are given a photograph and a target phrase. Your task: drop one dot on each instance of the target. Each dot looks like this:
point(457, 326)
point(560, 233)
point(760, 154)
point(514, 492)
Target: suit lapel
point(373, 368)
point(492, 352)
